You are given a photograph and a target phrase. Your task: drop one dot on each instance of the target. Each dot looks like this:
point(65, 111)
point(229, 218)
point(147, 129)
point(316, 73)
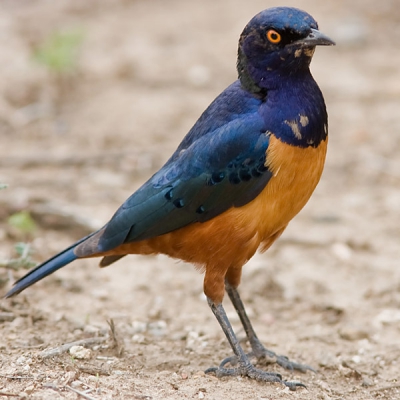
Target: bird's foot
point(265, 356)
point(253, 373)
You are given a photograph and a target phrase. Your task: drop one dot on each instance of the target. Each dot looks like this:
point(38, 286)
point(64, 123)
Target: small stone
point(194, 341)
point(327, 360)
point(80, 352)
point(342, 251)
point(387, 317)
point(201, 395)
point(158, 328)
point(29, 389)
point(76, 384)
point(139, 326)
point(69, 377)
point(21, 360)
point(353, 333)
point(367, 382)
point(90, 329)
point(356, 359)
point(118, 372)
point(184, 375)
point(138, 339)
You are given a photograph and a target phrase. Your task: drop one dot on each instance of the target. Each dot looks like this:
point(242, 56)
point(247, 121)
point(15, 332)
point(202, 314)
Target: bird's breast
point(296, 172)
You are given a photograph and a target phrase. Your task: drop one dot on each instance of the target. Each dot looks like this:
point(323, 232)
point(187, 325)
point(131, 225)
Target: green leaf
point(59, 52)
point(22, 221)
point(3, 186)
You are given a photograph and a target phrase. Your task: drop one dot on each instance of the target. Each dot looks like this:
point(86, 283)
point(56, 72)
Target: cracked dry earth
point(74, 147)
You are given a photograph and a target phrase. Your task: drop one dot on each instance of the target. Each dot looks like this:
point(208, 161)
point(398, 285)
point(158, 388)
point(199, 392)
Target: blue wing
point(220, 164)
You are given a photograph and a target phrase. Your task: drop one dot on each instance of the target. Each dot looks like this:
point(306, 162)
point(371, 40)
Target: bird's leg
point(258, 350)
point(245, 367)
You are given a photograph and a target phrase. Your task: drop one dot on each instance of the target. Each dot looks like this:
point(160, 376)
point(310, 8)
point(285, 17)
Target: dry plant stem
point(65, 347)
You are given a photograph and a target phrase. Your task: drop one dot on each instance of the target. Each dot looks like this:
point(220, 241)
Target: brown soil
point(75, 145)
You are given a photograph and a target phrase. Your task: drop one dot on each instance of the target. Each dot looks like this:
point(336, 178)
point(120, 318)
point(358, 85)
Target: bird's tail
point(48, 267)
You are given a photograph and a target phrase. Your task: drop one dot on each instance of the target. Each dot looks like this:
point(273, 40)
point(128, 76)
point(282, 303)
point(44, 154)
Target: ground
point(75, 144)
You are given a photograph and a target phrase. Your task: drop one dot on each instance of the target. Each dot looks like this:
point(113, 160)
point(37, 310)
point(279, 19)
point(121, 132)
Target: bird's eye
point(273, 36)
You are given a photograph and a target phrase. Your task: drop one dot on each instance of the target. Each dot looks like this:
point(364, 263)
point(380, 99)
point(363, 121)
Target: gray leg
point(245, 367)
point(258, 350)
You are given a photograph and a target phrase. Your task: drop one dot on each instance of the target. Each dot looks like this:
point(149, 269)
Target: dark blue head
point(276, 43)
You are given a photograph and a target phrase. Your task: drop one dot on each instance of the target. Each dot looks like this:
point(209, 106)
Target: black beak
point(316, 38)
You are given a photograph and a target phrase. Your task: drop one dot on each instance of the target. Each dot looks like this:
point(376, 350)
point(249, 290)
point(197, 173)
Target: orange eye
point(273, 36)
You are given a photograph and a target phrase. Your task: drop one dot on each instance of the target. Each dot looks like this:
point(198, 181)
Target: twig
point(93, 370)
point(6, 316)
point(84, 395)
point(116, 344)
point(8, 394)
point(16, 377)
point(65, 347)
point(33, 346)
point(396, 386)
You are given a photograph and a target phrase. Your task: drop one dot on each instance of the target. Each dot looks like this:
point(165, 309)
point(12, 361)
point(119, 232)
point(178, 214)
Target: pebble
point(367, 382)
point(21, 360)
point(158, 328)
point(353, 333)
point(342, 251)
point(327, 360)
point(138, 339)
point(90, 329)
point(118, 372)
point(356, 359)
point(29, 389)
point(195, 341)
point(139, 326)
point(70, 376)
point(80, 352)
point(387, 317)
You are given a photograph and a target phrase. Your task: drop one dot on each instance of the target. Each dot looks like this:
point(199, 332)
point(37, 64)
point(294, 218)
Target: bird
point(244, 170)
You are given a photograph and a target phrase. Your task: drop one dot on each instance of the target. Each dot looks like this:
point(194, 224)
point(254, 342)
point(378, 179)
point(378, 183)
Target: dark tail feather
point(48, 267)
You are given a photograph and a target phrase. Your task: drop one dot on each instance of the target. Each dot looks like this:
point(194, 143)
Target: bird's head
point(276, 43)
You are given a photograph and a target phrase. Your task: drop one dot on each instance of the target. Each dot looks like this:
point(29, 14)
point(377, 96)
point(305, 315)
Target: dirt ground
point(75, 145)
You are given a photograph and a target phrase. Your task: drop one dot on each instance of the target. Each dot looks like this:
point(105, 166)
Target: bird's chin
point(308, 51)
point(299, 51)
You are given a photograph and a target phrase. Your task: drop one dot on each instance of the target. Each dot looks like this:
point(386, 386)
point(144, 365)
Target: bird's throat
point(247, 81)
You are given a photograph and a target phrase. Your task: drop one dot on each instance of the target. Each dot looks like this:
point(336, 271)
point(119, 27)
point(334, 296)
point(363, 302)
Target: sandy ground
point(74, 146)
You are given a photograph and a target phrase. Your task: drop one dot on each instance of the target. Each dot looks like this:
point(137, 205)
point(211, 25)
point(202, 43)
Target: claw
point(252, 373)
point(294, 385)
point(270, 357)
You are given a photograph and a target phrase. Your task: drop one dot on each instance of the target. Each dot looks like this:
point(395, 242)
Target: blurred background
point(95, 96)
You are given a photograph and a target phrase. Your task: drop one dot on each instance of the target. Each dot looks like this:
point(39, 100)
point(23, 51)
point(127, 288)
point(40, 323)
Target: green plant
point(22, 261)
point(22, 222)
point(59, 52)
